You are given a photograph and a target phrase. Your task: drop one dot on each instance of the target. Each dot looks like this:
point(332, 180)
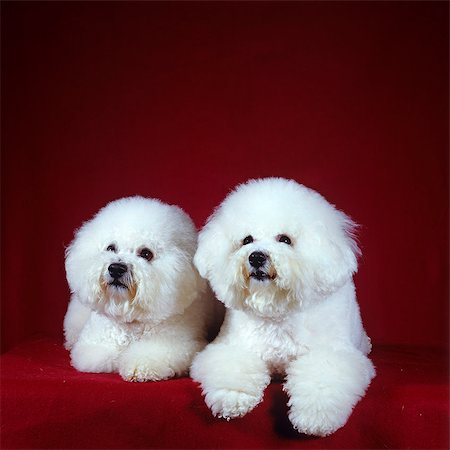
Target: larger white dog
point(138, 305)
point(281, 259)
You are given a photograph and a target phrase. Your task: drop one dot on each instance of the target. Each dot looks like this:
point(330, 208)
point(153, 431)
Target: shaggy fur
point(149, 323)
point(295, 316)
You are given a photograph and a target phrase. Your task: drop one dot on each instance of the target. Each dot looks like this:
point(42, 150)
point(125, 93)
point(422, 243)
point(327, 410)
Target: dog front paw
point(140, 368)
point(228, 404)
point(93, 358)
point(323, 387)
point(318, 421)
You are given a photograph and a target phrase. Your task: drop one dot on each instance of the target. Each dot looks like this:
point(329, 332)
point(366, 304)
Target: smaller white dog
point(281, 259)
point(138, 305)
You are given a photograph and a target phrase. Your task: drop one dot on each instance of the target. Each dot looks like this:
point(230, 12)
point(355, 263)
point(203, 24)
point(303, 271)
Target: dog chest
point(278, 344)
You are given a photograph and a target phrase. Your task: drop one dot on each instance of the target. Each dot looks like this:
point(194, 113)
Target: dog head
point(133, 260)
point(274, 245)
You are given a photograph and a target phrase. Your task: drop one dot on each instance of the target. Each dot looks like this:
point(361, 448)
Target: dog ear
point(330, 252)
point(204, 254)
point(76, 255)
point(211, 247)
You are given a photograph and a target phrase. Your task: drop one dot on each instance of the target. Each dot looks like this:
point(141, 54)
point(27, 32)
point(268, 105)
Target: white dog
point(281, 259)
point(138, 305)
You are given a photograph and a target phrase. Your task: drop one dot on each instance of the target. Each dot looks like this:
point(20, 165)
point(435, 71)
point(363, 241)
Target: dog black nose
point(257, 259)
point(116, 270)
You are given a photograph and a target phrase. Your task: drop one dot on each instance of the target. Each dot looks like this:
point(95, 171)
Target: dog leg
point(98, 345)
point(232, 379)
point(76, 317)
point(324, 386)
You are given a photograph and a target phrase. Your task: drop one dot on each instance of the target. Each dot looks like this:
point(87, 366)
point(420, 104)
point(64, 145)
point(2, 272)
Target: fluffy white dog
point(138, 305)
point(281, 259)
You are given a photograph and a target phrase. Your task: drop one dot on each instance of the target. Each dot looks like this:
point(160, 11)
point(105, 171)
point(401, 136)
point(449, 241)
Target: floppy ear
point(329, 253)
point(71, 265)
point(78, 263)
point(212, 247)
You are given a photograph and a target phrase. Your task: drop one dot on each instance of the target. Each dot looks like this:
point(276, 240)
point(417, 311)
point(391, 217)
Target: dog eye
point(111, 248)
point(146, 254)
point(247, 240)
point(285, 239)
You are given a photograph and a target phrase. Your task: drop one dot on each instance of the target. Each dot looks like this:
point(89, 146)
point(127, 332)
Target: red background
point(183, 101)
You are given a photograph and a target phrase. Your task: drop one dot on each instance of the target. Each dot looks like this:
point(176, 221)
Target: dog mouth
point(260, 275)
point(118, 284)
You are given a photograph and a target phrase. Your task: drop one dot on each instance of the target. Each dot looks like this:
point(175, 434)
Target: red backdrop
point(183, 101)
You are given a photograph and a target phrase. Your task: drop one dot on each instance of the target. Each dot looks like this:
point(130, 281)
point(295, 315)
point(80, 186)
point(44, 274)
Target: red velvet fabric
point(182, 101)
point(47, 404)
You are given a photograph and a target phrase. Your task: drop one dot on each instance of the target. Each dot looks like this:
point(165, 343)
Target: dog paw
point(228, 404)
point(143, 368)
point(93, 358)
point(317, 421)
point(324, 387)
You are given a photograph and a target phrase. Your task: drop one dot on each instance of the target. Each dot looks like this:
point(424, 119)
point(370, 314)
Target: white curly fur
point(151, 326)
point(301, 320)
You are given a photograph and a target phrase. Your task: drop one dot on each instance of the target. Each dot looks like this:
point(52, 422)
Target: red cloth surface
point(182, 101)
point(48, 404)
